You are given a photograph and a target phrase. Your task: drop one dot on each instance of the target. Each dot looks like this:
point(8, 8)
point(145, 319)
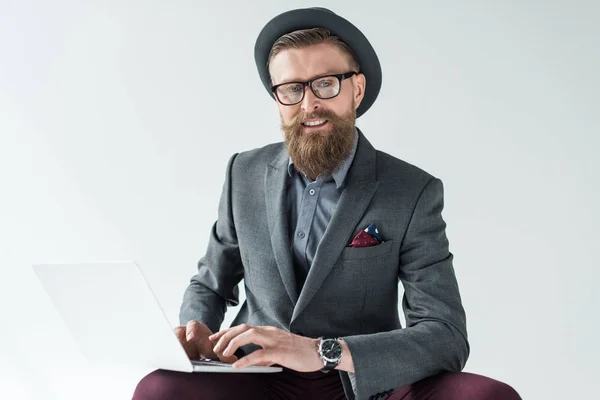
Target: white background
point(117, 120)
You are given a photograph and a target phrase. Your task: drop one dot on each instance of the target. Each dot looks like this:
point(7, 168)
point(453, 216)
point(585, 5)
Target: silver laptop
point(115, 318)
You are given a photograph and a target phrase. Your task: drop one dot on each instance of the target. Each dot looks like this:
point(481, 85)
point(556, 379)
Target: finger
point(253, 335)
point(264, 364)
point(227, 336)
point(190, 329)
point(258, 357)
point(190, 348)
point(229, 360)
point(216, 336)
point(180, 333)
point(205, 348)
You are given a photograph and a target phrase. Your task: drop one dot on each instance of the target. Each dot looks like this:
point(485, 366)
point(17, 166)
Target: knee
point(157, 385)
point(490, 389)
point(505, 392)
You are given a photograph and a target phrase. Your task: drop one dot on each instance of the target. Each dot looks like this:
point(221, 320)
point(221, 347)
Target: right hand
point(194, 339)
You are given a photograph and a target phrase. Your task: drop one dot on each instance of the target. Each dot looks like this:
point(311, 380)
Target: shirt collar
point(340, 175)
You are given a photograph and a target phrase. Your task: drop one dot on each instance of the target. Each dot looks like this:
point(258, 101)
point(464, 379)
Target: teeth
point(315, 123)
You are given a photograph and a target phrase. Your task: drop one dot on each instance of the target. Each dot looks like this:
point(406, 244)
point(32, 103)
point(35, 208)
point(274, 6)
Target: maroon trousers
point(170, 385)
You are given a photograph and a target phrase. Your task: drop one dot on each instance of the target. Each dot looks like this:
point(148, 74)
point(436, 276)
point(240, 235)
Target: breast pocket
point(365, 275)
point(358, 253)
point(373, 265)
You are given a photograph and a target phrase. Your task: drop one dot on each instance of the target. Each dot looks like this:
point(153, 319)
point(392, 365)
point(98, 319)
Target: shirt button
point(301, 235)
point(311, 191)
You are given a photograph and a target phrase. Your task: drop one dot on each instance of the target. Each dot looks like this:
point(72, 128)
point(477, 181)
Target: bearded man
point(322, 227)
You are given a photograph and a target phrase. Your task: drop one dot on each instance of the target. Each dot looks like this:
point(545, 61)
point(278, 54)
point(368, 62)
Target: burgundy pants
point(169, 385)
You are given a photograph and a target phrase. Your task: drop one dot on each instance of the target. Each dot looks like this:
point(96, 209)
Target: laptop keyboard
point(208, 361)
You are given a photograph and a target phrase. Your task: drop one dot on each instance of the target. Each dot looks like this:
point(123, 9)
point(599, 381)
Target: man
point(322, 227)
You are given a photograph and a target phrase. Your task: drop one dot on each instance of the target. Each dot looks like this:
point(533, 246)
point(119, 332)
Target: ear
point(358, 88)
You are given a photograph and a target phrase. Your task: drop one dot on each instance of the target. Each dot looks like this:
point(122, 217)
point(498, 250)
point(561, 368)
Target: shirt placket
point(308, 207)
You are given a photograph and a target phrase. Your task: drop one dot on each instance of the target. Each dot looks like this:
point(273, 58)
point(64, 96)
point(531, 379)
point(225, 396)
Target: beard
point(320, 151)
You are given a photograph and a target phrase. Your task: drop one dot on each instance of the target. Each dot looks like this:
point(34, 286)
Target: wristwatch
point(330, 351)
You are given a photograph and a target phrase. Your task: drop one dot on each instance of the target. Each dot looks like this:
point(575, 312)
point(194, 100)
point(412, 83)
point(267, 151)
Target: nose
point(310, 102)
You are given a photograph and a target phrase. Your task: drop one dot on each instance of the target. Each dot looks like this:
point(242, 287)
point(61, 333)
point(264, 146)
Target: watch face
point(331, 350)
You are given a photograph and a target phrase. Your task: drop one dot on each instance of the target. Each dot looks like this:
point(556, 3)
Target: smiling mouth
point(313, 124)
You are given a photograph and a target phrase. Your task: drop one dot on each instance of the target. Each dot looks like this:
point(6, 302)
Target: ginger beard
point(316, 151)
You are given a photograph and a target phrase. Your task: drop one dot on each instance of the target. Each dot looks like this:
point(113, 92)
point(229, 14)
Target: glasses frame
point(340, 78)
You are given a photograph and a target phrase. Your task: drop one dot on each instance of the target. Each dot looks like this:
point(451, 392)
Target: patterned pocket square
point(367, 237)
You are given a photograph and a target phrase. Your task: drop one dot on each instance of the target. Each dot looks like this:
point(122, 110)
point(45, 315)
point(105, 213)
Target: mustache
point(302, 117)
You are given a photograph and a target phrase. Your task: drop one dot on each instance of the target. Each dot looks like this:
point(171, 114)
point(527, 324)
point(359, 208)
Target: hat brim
point(307, 18)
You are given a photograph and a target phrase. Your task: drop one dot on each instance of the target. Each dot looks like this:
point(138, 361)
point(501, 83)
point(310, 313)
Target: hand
point(194, 339)
point(280, 347)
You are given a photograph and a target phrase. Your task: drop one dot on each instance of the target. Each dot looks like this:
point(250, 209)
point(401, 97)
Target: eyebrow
point(326, 73)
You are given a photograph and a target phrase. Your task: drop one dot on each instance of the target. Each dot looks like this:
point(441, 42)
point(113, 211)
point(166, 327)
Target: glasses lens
point(290, 93)
point(326, 87)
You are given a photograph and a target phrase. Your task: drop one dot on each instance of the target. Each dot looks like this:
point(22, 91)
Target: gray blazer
point(349, 292)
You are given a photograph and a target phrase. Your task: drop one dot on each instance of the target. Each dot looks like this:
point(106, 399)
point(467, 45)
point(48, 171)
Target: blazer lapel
point(356, 196)
point(275, 197)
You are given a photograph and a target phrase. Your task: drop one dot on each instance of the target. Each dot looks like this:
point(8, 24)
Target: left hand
point(280, 347)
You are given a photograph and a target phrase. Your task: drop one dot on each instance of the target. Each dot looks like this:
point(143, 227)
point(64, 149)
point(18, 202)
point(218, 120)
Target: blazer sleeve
point(435, 337)
point(215, 286)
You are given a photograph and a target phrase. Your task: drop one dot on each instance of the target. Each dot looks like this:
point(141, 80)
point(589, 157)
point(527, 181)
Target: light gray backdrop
point(117, 119)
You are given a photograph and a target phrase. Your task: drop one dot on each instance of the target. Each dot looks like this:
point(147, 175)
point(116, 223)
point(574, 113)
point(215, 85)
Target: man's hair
point(308, 37)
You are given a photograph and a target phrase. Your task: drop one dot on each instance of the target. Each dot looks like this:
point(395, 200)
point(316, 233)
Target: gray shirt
point(310, 205)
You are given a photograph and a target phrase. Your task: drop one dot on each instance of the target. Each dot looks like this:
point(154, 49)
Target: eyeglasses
point(324, 87)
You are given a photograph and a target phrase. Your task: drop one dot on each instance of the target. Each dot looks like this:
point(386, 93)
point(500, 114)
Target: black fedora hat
point(316, 17)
